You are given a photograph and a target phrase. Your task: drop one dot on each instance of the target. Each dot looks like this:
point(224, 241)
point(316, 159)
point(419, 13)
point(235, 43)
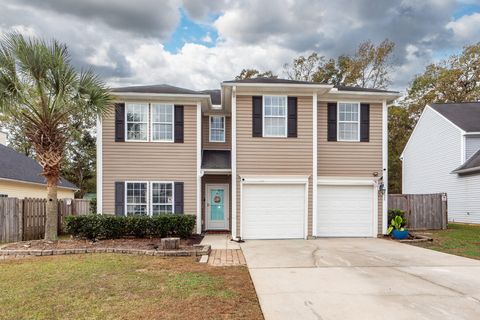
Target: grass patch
point(458, 239)
point(108, 286)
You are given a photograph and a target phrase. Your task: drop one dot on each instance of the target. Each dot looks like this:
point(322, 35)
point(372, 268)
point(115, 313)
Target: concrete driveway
point(361, 279)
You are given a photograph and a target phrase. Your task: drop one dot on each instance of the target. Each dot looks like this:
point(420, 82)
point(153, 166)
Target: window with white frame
point(137, 198)
point(162, 198)
point(137, 122)
point(274, 116)
point(348, 121)
point(162, 122)
point(217, 129)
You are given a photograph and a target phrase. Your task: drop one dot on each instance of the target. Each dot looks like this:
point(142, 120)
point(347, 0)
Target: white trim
point(152, 122)
point(215, 171)
point(385, 166)
point(282, 85)
point(234, 164)
point(463, 142)
point(164, 95)
point(210, 128)
point(199, 168)
point(150, 200)
point(275, 180)
point(338, 120)
point(125, 196)
point(472, 133)
point(226, 206)
point(285, 135)
point(126, 122)
point(37, 183)
point(337, 181)
point(335, 91)
point(99, 165)
point(314, 163)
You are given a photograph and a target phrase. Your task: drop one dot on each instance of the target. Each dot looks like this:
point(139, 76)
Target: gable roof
point(472, 165)
point(16, 166)
point(464, 115)
point(157, 88)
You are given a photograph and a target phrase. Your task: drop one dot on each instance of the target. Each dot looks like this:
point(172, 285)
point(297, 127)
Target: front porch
point(216, 203)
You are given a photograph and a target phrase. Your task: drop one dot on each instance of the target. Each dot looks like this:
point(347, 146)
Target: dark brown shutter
point(292, 117)
point(119, 122)
point(332, 121)
point(120, 198)
point(178, 197)
point(364, 122)
point(178, 124)
point(257, 107)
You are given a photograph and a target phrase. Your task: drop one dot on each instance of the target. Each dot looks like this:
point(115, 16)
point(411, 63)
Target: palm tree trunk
point(51, 221)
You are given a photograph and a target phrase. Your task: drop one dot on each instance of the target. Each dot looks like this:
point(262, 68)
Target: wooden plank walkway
point(226, 258)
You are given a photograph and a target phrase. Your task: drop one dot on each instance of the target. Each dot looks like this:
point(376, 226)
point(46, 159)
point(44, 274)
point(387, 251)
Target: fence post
point(444, 211)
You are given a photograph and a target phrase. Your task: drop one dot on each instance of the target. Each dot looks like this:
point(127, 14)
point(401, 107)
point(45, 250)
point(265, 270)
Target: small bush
point(111, 227)
point(392, 213)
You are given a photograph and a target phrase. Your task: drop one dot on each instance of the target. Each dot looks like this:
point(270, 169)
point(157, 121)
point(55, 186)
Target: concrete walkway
point(224, 253)
point(361, 279)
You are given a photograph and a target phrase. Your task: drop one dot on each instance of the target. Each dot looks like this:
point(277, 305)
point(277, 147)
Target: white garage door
point(345, 211)
point(271, 211)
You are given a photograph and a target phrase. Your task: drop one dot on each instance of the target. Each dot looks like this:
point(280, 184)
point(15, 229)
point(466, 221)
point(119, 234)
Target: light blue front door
point(217, 207)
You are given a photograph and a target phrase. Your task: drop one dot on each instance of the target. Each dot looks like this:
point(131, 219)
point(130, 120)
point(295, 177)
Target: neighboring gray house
point(443, 155)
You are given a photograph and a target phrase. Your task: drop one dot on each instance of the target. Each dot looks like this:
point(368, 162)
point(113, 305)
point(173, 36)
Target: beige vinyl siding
point(274, 156)
point(150, 161)
point(352, 159)
point(206, 144)
point(28, 190)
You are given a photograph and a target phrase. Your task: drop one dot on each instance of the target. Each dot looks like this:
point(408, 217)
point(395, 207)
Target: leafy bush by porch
point(112, 227)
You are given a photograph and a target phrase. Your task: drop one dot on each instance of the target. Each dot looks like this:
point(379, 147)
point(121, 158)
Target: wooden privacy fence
point(423, 211)
point(24, 219)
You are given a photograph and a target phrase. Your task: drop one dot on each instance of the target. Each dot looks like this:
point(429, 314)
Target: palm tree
point(40, 88)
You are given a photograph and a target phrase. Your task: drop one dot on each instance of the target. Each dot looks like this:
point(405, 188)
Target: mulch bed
point(124, 243)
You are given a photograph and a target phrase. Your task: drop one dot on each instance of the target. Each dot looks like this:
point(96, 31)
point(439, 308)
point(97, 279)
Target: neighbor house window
point(137, 196)
point(274, 116)
point(217, 129)
point(162, 122)
point(348, 121)
point(162, 198)
point(137, 121)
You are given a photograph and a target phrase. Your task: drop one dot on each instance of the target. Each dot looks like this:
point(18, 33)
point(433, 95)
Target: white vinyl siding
point(217, 129)
point(136, 122)
point(472, 145)
point(348, 121)
point(162, 122)
point(274, 116)
point(433, 152)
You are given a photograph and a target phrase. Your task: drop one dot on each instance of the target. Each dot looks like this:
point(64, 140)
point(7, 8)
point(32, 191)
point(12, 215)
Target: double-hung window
point(162, 122)
point(348, 121)
point(217, 129)
point(162, 198)
point(137, 121)
point(137, 198)
point(274, 116)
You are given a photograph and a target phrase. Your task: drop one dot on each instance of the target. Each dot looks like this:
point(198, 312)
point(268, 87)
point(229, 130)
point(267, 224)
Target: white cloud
point(207, 38)
point(466, 28)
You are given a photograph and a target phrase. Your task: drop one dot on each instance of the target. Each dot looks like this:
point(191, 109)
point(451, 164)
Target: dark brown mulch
point(124, 243)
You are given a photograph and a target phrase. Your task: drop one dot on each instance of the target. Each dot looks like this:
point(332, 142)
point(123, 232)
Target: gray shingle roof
point(16, 166)
point(472, 165)
point(350, 88)
point(158, 88)
point(464, 115)
point(216, 159)
point(215, 95)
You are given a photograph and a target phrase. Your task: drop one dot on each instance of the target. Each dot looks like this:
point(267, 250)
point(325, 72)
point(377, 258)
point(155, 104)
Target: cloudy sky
point(197, 44)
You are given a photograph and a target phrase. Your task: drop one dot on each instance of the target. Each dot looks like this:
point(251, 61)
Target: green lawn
point(459, 239)
point(108, 286)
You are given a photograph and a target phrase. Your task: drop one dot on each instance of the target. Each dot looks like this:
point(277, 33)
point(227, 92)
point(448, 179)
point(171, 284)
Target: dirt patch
point(124, 243)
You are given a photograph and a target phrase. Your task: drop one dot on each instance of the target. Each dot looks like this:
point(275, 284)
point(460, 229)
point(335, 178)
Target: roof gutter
point(465, 171)
point(37, 183)
point(285, 85)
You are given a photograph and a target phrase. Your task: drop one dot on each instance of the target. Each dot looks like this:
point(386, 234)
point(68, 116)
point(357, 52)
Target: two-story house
point(260, 158)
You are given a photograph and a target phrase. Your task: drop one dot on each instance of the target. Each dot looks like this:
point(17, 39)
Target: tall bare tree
point(40, 88)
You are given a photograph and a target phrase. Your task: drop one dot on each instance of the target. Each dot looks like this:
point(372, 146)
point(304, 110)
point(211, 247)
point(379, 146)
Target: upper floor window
point(137, 121)
point(217, 129)
point(137, 198)
point(162, 122)
point(162, 198)
point(274, 116)
point(348, 121)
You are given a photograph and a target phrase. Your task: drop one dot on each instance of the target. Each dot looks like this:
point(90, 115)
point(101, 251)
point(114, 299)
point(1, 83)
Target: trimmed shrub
point(111, 227)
